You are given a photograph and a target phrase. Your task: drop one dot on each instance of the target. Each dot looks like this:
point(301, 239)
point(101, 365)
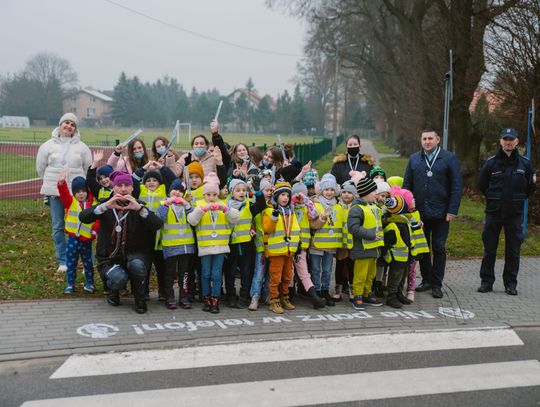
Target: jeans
point(436, 232)
point(212, 265)
point(135, 265)
point(259, 276)
point(513, 238)
point(321, 279)
point(76, 247)
point(58, 226)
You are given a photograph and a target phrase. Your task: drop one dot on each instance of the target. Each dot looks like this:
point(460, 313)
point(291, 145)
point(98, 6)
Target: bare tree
point(46, 67)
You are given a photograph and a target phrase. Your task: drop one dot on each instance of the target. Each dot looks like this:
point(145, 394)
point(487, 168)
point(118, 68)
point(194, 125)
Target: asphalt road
point(224, 383)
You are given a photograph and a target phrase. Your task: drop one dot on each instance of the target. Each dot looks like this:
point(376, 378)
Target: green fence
point(20, 185)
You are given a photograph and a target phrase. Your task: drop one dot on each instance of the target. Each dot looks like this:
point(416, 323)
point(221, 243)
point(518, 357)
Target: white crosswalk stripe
point(313, 389)
point(285, 350)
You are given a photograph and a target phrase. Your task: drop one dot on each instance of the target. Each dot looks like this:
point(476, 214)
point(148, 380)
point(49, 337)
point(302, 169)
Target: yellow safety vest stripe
point(72, 222)
point(399, 252)
point(277, 244)
point(241, 230)
point(153, 199)
point(217, 235)
point(329, 236)
point(176, 233)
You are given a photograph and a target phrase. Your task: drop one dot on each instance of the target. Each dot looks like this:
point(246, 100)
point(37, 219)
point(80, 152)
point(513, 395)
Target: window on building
point(74, 98)
point(92, 99)
point(90, 112)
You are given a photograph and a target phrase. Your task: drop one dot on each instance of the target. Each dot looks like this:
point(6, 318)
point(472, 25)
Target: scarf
point(327, 202)
point(233, 203)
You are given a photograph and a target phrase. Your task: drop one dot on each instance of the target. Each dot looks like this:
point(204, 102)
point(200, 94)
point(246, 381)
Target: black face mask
point(353, 151)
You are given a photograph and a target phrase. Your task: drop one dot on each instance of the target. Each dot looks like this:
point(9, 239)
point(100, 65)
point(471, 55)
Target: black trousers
point(241, 256)
point(513, 238)
point(432, 265)
point(177, 267)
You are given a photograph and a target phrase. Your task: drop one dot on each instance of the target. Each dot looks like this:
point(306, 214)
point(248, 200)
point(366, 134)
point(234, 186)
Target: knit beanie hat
point(71, 117)
point(233, 183)
point(365, 186)
point(120, 177)
point(311, 178)
point(377, 171)
point(396, 205)
point(395, 180)
point(196, 168)
point(152, 174)
point(211, 183)
point(105, 170)
point(281, 187)
point(383, 187)
point(177, 185)
point(78, 184)
point(403, 193)
point(299, 188)
point(264, 184)
point(349, 187)
point(328, 181)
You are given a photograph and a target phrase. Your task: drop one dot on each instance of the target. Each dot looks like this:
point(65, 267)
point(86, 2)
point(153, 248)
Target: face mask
point(138, 155)
point(265, 163)
point(353, 151)
point(199, 151)
point(161, 150)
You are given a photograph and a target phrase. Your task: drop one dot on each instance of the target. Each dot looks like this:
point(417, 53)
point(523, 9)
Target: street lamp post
point(335, 112)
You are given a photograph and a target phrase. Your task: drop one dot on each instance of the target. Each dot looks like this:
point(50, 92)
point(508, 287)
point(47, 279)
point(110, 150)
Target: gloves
point(178, 200)
point(188, 159)
point(214, 207)
point(205, 208)
point(224, 208)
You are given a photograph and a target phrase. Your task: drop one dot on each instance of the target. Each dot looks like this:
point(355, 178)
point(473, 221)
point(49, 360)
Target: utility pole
point(448, 96)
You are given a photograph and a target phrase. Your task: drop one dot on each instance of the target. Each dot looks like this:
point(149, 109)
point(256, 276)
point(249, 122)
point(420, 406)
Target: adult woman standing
point(163, 156)
point(352, 160)
point(137, 156)
point(64, 151)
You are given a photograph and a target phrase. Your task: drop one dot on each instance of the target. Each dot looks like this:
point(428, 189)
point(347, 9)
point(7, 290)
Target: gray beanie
point(233, 183)
point(263, 184)
point(299, 188)
point(70, 117)
point(349, 187)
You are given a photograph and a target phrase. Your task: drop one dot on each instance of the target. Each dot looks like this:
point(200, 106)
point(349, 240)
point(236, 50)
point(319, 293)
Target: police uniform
point(506, 181)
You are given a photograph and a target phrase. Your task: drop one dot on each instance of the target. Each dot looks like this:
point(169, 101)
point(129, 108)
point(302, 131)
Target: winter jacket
point(140, 232)
point(341, 168)
point(506, 181)
point(355, 224)
point(60, 153)
point(440, 194)
point(66, 198)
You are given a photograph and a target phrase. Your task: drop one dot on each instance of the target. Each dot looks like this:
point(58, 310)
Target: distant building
point(92, 107)
point(21, 122)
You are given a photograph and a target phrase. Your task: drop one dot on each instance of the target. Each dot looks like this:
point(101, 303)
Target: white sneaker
point(61, 269)
point(254, 305)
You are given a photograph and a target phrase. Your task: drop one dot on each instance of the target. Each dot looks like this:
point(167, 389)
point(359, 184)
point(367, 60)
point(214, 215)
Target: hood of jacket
point(342, 157)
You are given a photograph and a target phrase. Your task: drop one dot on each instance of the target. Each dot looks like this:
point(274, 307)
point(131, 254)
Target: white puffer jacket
point(56, 154)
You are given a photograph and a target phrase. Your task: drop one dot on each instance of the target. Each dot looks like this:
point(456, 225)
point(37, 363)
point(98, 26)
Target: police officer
point(506, 180)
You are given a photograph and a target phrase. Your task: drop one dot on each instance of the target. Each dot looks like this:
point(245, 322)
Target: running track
point(27, 189)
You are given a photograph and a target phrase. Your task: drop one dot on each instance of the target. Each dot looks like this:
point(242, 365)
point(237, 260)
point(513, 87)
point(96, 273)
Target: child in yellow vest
point(328, 234)
point(281, 226)
point(344, 264)
point(152, 192)
point(306, 214)
point(195, 174)
point(80, 235)
point(241, 244)
point(364, 224)
point(383, 192)
point(260, 273)
point(397, 249)
point(213, 222)
point(178, 241)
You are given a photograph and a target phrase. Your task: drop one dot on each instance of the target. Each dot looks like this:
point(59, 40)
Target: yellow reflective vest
point(280, 244)
point(418, 239)
point(330, 236)
point(241, 230)
point(373, 222)
point(104, 193)
point(153, 199)
point(72, 222)
point(259, 238)
point(399, 252)
point(176, 231)
point(303, 220)
point(216, 234)
point(347, 237)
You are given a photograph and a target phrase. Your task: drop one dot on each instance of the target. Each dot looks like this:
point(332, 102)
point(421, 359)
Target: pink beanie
point(404, 193)
point(211, 183)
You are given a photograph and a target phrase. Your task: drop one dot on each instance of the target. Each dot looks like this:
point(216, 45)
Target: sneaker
point(372, 301)
point(275, 306)
point(358, 303)
point(511, 291)
point(68, 290)
point(170, 303)
point(61, 269)
point(254, 304)
point(403, 299)
point(113, 298)
point(436, 292)
point(185, 303)
point(140, 306)
point(410, 296)
point(286, 303)
point(89, 288)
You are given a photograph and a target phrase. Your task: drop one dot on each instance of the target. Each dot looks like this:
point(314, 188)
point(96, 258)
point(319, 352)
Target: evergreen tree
point(264, 116)
point(283, 115)
point(299, 117)
point(122, 98)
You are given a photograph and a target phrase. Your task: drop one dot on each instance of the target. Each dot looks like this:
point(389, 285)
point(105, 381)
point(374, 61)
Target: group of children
point(281, 240)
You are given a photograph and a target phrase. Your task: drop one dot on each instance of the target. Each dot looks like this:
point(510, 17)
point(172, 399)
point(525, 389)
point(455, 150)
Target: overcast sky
point(101, 39)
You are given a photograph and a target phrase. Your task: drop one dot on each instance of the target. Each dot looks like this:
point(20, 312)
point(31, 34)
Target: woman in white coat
point(64, 151)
